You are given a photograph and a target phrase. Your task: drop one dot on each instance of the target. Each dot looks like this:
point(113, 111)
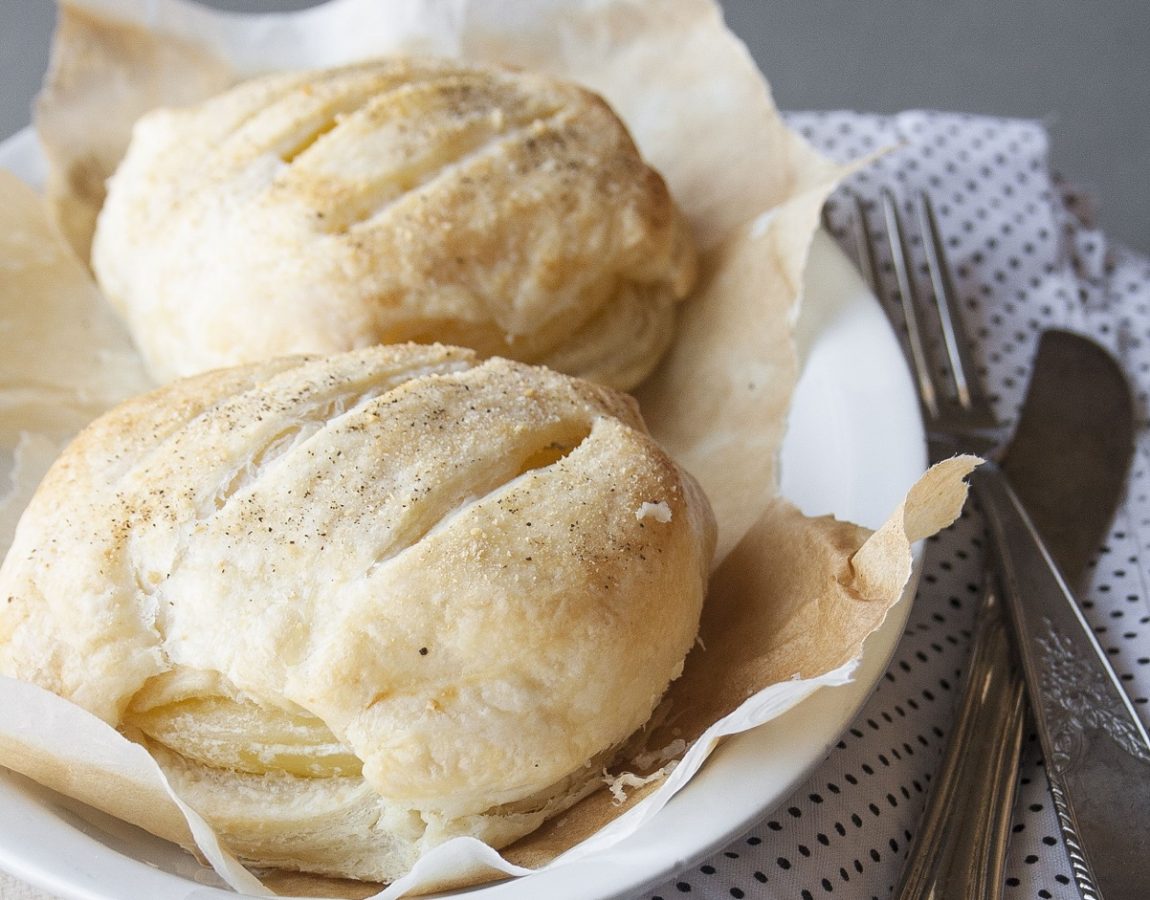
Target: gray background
point(1082, 67)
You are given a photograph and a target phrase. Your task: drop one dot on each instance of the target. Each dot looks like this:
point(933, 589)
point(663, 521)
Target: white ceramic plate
point(854, 445)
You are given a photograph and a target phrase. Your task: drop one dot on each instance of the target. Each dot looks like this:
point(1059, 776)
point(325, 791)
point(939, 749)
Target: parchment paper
point(53, 379)
point(791, 599)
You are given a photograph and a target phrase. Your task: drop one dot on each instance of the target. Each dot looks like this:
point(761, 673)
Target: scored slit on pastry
point(387, 157)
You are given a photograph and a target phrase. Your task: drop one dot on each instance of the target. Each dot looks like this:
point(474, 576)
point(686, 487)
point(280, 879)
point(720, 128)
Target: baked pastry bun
point(397, 200)
point(360, 604)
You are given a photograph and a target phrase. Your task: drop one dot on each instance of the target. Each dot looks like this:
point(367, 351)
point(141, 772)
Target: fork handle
point(960, 849)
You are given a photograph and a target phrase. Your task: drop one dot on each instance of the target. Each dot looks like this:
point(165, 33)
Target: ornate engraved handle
point(961, 844)
point(1097, 750)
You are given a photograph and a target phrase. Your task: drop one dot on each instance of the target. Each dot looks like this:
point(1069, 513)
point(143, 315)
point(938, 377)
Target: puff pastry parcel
point(357, 605)
point(397, 200)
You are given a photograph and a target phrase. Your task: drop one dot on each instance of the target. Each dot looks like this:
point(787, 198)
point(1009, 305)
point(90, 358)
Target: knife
point(1097, 750)
point(1071, 488)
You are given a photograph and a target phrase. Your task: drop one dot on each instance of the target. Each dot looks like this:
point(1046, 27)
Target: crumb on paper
point(660, 512)
point(618, 784)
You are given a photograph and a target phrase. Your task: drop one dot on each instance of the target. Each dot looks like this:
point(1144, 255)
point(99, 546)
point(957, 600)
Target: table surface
point(1084, 71)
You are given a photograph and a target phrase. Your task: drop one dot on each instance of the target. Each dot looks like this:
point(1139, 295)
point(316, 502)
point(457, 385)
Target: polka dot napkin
point(1026, 257)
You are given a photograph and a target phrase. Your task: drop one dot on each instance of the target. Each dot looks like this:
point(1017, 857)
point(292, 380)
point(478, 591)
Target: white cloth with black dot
point(1026, 257)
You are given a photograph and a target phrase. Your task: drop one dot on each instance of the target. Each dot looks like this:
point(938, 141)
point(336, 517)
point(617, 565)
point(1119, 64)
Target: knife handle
point(960, 848)
point(1096, 749)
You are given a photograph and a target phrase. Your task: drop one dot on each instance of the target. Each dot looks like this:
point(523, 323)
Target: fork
point(960, 848)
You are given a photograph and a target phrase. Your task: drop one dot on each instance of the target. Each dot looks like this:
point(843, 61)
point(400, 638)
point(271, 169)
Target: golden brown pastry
point(357, 605)
point(397, 200)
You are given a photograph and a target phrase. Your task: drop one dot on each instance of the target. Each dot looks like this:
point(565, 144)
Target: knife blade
point(1078, 417)
point(1072, 447)
point(1071, 496)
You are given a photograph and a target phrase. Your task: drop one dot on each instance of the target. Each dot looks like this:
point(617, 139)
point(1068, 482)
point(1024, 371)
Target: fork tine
point(955, 340)
point(825, 216)
point(864, 247)
point(909, 297)
point(860, 237)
